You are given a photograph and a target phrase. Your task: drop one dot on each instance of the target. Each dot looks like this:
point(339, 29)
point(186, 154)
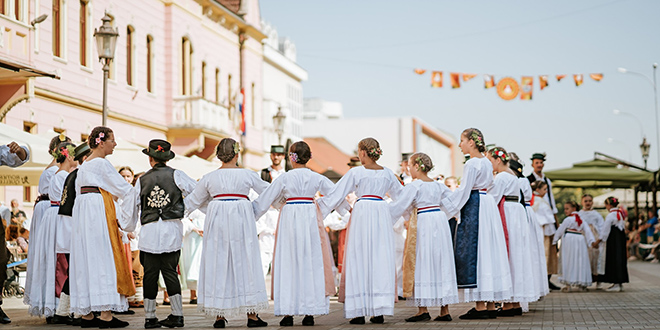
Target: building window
point(186, 67)
point(252, 105)
point(84, 137)
point(217, 85)
point(83, 32)
point(2, 6)
point(204, 80)
point(27, 194)
point(29, 127)
point(57, 27)
point(18, 6)
point(59, 130)
point(229, 96)
point(150, 64)
point(130, 67)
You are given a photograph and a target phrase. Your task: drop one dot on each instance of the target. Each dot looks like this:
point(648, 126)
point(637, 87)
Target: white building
point(317, 108)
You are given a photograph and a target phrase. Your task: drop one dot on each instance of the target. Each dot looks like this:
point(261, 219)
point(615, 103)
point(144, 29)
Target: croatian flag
point(241, 108)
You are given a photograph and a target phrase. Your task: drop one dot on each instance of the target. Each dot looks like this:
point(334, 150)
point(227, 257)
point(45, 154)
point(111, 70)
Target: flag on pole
point(455, 80)
point(596, 76)
point(560, 77)
point(543, 81)
point(489, 81)
point(241, 109)
point(468, 76)
point(436, 79)
point(526, 90)
point(578, 79)
point(420, 71)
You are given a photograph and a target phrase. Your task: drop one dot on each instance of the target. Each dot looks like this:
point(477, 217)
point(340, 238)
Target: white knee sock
point(149, 308)
point(64, 305)
point(176, 302)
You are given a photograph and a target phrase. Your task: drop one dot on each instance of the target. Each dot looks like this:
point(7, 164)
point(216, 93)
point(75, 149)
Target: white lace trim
point(369, 312)
point(99, 308)
point(470, 295)
point(432, 302)
point(576, 283)
point(233, 312)
point(527, 299)
point(41, 311)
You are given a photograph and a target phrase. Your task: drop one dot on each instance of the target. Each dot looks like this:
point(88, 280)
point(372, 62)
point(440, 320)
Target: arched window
point(83, 32)
point(130, 56)
point(58, 18)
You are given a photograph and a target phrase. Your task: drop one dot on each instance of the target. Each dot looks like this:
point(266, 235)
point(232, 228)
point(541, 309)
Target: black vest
point(265, 175)
point(68, 194)
point(159, 195)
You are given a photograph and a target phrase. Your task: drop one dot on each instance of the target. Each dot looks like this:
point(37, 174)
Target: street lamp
point(645, 148)
point(278, 121)
point(106, 41)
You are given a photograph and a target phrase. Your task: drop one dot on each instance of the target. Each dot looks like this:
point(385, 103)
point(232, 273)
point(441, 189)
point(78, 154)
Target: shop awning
point(11, 69)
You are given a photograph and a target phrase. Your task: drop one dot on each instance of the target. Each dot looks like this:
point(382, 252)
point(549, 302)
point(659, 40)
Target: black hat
point(538, 155)
point(405, 156)
point(354, 162)
point(159, 149)
point(277, 149)
point(516, 167)
point(81, 151)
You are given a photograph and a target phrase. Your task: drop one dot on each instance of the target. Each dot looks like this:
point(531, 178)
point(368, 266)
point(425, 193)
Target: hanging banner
point(489, 81)
point(467, 76)
point(507, 88)
point(436, 79)
point(578, 79)
point(543, 81)
point(560, 77)
point(596, 76)
point(420, 71)
point(455, 80)
point(526, 90)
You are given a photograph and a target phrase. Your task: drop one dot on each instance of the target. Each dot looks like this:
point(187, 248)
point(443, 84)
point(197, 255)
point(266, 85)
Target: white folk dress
point(595, 222)
point(575, 266)
point(231, 281)
point(493, 273)
point(537, 248)
point(369, 267)
point(435, 271)
point(92, 273)
point(298, 272)
point(191, 252)
point(520, 257)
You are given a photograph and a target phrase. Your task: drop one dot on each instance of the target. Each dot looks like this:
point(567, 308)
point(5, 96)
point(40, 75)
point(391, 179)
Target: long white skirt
point(231, 281)
point(191, 260)
point(575, 265)
point(537, 247)
point(92, 273)
point(369, 261)
point(520, 256)
point(493, 273)
point(435, 270)
point(42, 259)
point(298, 276)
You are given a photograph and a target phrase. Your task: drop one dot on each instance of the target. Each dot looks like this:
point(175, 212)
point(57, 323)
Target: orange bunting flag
point(543, 81)
point(578, 79)
point(526, 90)
point(455, 80)
point(420, 71)
point(467, 76)
point(489, 81)
point(560, 77)
point(596, 76)
point(436, 79)
point(508, 88)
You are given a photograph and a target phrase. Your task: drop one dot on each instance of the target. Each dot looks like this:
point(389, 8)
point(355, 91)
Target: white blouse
point(611, 220)
point(477, 175)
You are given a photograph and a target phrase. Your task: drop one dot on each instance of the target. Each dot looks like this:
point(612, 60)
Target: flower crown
point(66, 151)
point(499, 153)
point(375, 152)
point(477, 138)
point(237, 148)
point(421, 164)
point(293, 156)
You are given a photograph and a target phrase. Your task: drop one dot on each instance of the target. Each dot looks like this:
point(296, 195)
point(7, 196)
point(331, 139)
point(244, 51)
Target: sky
point(362, 54)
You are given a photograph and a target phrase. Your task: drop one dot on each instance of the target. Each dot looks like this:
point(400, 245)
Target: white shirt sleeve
point(453, 203)
point(12, 160)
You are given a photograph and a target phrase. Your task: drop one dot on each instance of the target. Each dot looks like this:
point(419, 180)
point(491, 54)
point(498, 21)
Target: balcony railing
point(194, 111)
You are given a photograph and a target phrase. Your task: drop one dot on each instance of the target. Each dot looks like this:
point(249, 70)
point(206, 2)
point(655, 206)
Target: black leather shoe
point(59, 319)
point(219, 324)
point(357, 320)
point(474, 314)
point(172, 321)
point(377, 319)
point(151, 323)
point(4, 319)
point(517, 311)
point(114, 323)
point(552, 286)
point(402, 298)
point(93, 323)
point(507, 312)
point(256, 323)
point(287, 321)
point(48, 319)
point(308, 320)
point(166, 303)
point(126, 312)
point(492, 314)
point(419, 318)
point(444, 318)
point(193, 301)
point(76, 321)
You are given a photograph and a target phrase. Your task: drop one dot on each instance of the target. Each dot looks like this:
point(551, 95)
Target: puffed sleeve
point(588, 235)
point(269, 196)
point(338, 193)
point(184, 182)
point(396, 187)
point(562, 229)
point(258, 185)
point(403, 204)
point(453, 203)
point(325, 187)
point(114, 183)
point(199, 196)
point(130, 208)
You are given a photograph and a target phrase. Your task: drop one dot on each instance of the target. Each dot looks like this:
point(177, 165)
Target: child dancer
point(302, 261)
point(546, 219)
point(575, 235)
point(429, 272)
point(369, 270)
point(613, 234)
point(482, 267)
point(231, 281)
point(595, 222)
point(506, 191)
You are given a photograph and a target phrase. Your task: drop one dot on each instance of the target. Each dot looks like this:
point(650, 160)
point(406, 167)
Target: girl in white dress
point(546, 219)
point(94, 280)
point(433, 263)
point(480, 253)
point(368, 278)
point(506, 192)
point(231, 281)
point(574, 257)
point(191, 251)
point(302, 281)
point(613, 236)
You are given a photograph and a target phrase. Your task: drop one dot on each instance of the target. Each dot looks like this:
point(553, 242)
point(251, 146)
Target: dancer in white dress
point(506, 192)
point(613, 235)
point(428, 255)
point(574, 257)
point(231, 281)
point(368, 278)
point(595, 222)
point(480, 254)
point(191, 252)
point(99, 278)
point(302, 277)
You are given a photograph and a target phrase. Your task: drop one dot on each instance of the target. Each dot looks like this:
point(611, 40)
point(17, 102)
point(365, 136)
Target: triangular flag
point(596, 76)
point(543, 81)
point(436, 79)
point(526, 90)
point(420, 71)
point(455, 80)
point(489, 81)
point(560, 77)
point(578, 79)
point(467, 76)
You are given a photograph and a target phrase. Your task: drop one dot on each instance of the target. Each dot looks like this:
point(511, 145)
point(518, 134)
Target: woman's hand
point(199, 232)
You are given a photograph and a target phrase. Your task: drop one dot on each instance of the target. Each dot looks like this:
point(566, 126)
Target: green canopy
point(598, 173)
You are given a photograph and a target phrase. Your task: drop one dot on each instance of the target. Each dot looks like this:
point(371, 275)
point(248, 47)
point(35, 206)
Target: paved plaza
point(638, 307)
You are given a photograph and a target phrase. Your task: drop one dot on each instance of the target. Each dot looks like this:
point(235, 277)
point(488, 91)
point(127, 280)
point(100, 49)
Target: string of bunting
point(507, 88)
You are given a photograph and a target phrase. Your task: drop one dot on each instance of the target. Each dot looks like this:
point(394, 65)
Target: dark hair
point(11, 232)
point(538, 184)
point(611, 201)
point(499, 153)
point(96, 132)
point(588, 195)
point(226, 150)
point(60, 152)
point(372, 147)
point(573, 204)
point(22, 231)
point(475, 135)
point(55, 141)
point(125, 168)
point(423, 160)
point(302, 151)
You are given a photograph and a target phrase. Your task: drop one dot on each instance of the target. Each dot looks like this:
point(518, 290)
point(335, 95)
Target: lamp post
point(278, 123)
point(645, 147)
point(106, 41)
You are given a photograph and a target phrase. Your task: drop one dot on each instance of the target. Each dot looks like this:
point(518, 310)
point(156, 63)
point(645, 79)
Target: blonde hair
point(372, 147)
point(423, 160)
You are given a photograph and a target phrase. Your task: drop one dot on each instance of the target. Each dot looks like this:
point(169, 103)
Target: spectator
point(23, 238)
point(17, 215)
point(14, 237)
point(5, 215)
point(649, 226)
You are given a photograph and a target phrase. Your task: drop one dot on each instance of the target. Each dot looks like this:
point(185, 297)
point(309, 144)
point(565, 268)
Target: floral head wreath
point(237, 148)
point(67, 151)
point(421, 164)
point(499, 153)
point(375, 152)
point(477, 138)
point(293, 156)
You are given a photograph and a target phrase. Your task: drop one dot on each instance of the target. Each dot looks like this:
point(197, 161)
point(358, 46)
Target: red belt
point(231, 196)
point(298, 199)
point(54, 203)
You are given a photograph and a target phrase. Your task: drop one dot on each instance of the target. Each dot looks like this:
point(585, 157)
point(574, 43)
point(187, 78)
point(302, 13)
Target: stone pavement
point(638, 307)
